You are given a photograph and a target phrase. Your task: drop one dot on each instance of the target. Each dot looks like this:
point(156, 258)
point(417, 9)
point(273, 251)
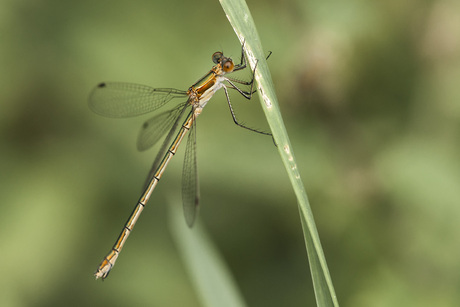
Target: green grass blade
point(241, 20)
point(211, 278)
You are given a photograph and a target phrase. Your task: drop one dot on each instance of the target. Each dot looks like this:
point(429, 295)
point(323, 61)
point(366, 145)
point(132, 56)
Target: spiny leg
point(234, 116)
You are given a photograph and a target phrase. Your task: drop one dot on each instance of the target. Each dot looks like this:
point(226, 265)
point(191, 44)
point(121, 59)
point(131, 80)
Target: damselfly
point(126, 100)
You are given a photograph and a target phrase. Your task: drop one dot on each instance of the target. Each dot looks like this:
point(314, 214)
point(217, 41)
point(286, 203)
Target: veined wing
point(153, 129)
point(116, 99)
point(167, 141)
point(190, 186)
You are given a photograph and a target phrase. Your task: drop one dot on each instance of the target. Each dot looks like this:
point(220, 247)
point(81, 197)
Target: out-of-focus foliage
point(369, 93)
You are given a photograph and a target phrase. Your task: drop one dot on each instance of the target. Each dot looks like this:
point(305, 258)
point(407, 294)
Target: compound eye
point(228, 65)
point(217, 57)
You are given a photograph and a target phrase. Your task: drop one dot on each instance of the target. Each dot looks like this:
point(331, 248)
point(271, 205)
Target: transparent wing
point(154, 128)
point(190, 188)
point(167, 142)
point(127, 99)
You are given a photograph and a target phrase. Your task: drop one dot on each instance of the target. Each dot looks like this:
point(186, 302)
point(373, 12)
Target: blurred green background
point(370, 95)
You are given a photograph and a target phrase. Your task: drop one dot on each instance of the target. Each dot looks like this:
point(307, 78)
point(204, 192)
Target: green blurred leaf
point(211, 278)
